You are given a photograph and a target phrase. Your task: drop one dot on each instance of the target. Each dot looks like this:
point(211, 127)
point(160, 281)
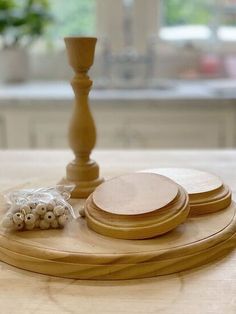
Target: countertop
point(169, 90)
point(208, 289)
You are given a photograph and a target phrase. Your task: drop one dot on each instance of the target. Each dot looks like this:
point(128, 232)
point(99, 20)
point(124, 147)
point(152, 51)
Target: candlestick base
point(85, 176)
point(84, 188)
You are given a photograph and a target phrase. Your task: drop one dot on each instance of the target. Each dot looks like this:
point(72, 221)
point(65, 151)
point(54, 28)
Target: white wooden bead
point(30, 226)
point(19, 226)
point(34, 212)
point(44, 224)
point(59, 210)
point(25, 209)
point(54, 224)
point(67, 212)
point(41, 209)
point(66, 207)
point(51, 205)
point(62, 220)
point(18, 218)
point(8, 222)
point(32, 205)
point(30, 219)
point(37, 222)
point(49, 216)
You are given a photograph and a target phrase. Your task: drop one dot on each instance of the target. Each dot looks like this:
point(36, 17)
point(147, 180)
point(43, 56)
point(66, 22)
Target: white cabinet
point(49, 129)
point(2, 132)
point(168, 125)
point(126, 123)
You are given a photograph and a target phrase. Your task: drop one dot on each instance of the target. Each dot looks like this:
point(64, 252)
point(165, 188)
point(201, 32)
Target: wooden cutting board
point(80, 253)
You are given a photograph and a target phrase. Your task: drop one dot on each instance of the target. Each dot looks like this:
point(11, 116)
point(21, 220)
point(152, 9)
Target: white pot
point(14, 65)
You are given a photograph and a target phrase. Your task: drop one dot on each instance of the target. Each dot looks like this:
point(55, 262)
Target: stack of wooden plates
point(137, 206)
point(207, 192)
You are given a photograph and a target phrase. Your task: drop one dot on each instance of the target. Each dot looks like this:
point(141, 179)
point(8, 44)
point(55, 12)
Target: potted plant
point(21, 23)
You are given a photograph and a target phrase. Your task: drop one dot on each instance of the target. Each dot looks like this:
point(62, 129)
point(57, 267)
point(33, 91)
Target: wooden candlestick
point(82, 171)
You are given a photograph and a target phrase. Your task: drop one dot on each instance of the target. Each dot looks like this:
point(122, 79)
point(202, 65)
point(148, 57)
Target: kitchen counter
point(170, 90)
point(207, 289)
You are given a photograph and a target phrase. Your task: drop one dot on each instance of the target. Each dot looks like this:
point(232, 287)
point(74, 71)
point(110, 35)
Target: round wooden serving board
point(137, 206)
point(135, 194)
point(207, 192)
point(78, 252)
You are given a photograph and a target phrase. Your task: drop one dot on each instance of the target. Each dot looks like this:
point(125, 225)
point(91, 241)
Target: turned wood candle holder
point(82, 171)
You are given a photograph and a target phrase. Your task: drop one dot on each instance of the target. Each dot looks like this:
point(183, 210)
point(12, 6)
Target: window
point(72, 17)
point(198, 20)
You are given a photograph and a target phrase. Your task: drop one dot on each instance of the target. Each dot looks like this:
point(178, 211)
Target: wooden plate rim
point(207, 242)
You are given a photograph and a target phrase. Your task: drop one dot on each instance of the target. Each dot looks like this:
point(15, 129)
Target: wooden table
point(207, 289)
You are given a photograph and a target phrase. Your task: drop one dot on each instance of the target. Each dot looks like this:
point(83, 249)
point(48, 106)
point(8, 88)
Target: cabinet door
point(3, 139)
point(124, 125)
point(171, 126)
point(111, 127)
point(172, 129)
point(49, 130)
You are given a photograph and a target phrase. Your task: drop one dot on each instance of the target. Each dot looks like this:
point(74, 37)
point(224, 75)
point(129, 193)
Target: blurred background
point(164, 72)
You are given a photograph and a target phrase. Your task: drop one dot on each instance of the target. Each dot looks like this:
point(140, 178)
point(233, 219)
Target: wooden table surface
point(207, 289)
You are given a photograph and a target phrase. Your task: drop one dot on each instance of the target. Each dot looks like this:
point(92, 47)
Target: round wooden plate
point(135, 194)
point(137, 206)
point(80, 253)
point(207, 192)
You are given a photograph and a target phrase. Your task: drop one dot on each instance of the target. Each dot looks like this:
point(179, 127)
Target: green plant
point(181, 12)
point(22, 21)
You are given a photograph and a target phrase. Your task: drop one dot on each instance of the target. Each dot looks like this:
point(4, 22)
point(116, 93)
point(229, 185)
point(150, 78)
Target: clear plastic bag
point(42, 208)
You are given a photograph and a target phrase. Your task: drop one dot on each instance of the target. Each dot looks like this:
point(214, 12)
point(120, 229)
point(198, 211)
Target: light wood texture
point(209, 289)
point(82, 171)
point(79, 253)
point(207, 192)
point(135, 194)
point(137, 206)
